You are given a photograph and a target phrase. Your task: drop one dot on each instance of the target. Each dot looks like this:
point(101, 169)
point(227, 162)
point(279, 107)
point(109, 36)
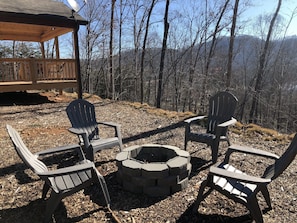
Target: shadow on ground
point(31, 212)
point(22, 98)
point(153, 132)
point(191, 216)
point(34, 213)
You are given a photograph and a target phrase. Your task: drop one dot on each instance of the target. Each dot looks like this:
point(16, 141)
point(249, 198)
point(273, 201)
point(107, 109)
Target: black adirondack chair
point(220, 116)
point(81, 114)
point(241, 187)
point(60, 182)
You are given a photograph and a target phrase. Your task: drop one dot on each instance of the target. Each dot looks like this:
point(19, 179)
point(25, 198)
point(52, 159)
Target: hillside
point(44, 124)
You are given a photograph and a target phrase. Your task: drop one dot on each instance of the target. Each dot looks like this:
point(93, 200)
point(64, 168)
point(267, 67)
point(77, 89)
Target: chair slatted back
point(24, 153)
point(221, 108)
point(276, 169)
point(81, 114)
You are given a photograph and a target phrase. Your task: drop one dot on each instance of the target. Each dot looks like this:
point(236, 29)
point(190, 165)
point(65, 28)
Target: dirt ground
point(42, 122)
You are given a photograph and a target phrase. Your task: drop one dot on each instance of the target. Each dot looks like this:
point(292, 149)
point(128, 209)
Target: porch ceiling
point(36, 20)
point(30, 32)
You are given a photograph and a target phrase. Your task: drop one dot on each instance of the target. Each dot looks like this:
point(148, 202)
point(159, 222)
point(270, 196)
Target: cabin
point(39, 21)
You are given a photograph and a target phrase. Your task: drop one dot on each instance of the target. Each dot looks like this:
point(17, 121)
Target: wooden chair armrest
point(237, 176)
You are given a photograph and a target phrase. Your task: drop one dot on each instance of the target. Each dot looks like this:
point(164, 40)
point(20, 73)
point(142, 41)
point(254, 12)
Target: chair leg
point(215, 146)
point(119, 135)
point(266, 195)
point(51, 205)
point(45, 189)
point(201, 195)
point(214, 152)
point(121, 145)
point(90, 154)
point(187, 131)
point(103, 187)
point(255, 211)
point(186, 143)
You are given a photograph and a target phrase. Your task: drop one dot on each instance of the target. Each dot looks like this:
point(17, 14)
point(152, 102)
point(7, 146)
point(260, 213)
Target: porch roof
point(36, 20)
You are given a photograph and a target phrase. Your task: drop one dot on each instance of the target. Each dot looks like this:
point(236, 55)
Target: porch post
point(57, 47)
point(42, 50)
point(77, 61)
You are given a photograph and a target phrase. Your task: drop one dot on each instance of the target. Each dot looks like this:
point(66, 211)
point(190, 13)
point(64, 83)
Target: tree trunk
point(143, 51)
point(231, 45)
point(208, 57)
point(111, 83)
point(120, 90)
point(163, 52)
point(260, 73)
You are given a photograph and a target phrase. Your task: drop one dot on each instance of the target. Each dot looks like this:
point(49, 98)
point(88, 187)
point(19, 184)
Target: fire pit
point(153, 169)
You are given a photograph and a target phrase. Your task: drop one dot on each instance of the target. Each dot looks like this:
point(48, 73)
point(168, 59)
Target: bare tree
point(231, 45)
point(194, 58)
point(275, 90)
point(208, 56)
point(144, 49)
point(111, 74)
point(120, 48)
point(260, 73)
point(163, 52)
point(92, 39)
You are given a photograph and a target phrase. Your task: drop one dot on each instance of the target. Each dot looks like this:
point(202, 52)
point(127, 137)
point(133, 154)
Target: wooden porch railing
point(35, 70)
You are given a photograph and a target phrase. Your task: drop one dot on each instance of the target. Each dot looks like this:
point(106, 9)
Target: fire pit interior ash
point(152, 154)
point(153, 169)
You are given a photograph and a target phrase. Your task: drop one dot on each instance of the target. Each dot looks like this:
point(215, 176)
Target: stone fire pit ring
point(153, 169)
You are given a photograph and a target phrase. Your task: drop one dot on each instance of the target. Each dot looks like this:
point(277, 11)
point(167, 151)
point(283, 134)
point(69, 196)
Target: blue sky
point(258, 7)
point(247, 19)
point(262, 7)
point(249, 14)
